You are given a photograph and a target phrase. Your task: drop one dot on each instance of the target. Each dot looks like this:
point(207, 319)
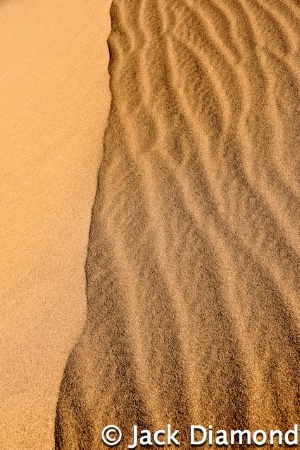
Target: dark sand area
point(193, 309)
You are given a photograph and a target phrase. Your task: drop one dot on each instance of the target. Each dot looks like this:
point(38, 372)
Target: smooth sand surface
point(193, 258)
point(53, 108)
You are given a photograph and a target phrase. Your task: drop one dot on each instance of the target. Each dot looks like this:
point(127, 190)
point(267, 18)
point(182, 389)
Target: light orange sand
point(193, 261)
point(54, 103)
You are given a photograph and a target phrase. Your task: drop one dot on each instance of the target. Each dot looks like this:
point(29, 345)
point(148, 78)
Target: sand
point(54, 104)
point(192, 264)
point(193, 255)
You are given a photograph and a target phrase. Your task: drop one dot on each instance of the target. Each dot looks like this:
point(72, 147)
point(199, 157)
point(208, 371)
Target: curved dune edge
point(193, 256)
point(54, 106)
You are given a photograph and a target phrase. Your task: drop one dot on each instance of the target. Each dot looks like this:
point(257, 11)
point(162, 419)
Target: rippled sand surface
point(193, 312)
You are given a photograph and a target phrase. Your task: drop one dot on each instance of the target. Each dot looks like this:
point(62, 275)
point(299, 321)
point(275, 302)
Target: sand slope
point(53, 108)
point(193, 258)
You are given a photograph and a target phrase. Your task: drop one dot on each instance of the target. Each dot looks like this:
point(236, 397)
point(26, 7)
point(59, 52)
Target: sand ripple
point(193, 309)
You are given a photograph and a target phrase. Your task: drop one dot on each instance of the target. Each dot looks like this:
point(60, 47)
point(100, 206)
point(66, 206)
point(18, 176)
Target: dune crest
point(193, 260)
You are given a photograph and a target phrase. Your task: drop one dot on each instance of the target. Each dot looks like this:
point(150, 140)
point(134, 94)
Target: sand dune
point(54, 103)
point(193, 311)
